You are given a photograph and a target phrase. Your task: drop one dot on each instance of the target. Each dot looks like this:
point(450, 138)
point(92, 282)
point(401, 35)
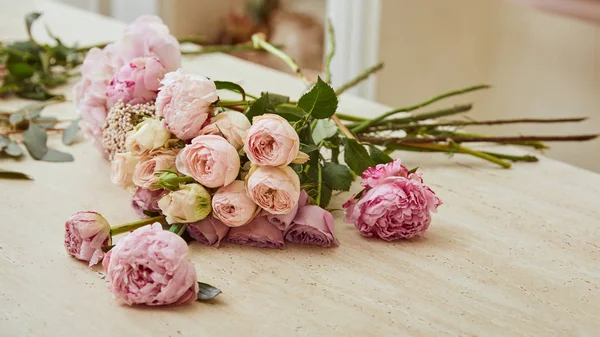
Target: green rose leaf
point(413, 170)
point(290, 112)
point(321, 101)
point(35, 141)
point(207, 292)
point(70, 132)
point(9, 174)
point(20, 69)
point(260, 107)
point(337, 176)
point(57, 156)
point(225, 85)
point(29, 20)
point(13, 149)
point(378, 156)
point(325, 196)
point(357, 157)
point(323, 129)
point(308, 148)
point(276, 99)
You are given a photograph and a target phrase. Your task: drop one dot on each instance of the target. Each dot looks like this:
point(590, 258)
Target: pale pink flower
point(373, 176)
point(283, 221)
point(232, 205)
point(150, 163)
point(147, 135)
point(184, 101)
point(312, 226)
point(85, 235)
point(122, 168)
point(146, 200)
point(397, 208)
point(191, 203)
point(271, 141)
point(209, 231)
point(257, 233)
point(230, 124)
point(276, 190)
point(151, 266)
point(136, 82)
point(210, 160)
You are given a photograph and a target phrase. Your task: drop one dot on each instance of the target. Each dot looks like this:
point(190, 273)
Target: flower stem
point(358, 79)
point(178, 228)
point(331, 35)
point(224, 48)
point(399, 123)
point(525, 158)
point(225, 103)
point(319, 184)
point(350, 118)
point(135, 225)
point(453, 148)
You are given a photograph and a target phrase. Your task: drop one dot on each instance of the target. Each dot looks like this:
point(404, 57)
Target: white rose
point(148, 135)
point(230, 124)
point(122, 168)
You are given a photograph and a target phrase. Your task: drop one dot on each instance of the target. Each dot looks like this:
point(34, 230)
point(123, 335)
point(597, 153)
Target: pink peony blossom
point(146, 200)
point(397, 208)
point(230, 124)
point(271, 141)
point(313, 226)
point(373, 176)
point(151, 266)
point(184, 101)
point(210, 160)
point(151, 162)
point(136, 82)
point(257, 233)
point(283, 221)
point(276, 190)
point(209, 231)
point(85, 235)
point(232, 205)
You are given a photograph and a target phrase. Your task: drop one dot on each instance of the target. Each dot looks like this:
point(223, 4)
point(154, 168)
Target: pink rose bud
point(209, 231)
point(210, 160)
point(276, 190)
point(373, 176)
point(232, 205)
point(283, 221)
point(230, 124)
point(271, 141)
point(148, 135)
point(184, 101)
point(146, 200)
point(136, 82)
point(121, 169)
point(144, 174)
point(257, 233)
point(397, 208)
point(312, 226)
point(151, 266)
point(85, 235)
point(191, 203)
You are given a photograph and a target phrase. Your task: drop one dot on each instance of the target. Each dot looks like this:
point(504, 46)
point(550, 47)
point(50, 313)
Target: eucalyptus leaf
point(378, 156)
point(16, 118)
point(337, 176)
point(57, 156)
point(70, 132)
point(29, 20)
point(290, 112)
point(35, 139)
point(321, 101)
point(13, 149)
point(260, 107)
point(225, 85)
point(9, 174)
point(207, 292)
point(323, 129)
point(357, 157)
point(4, 142)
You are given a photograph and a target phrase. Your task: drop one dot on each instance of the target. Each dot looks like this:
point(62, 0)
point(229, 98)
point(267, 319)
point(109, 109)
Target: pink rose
point(184, 101)
point(276, 190)
point(191, 203)
point(122, 168)
point(397, 208)
point(373, 176)
point(271, 141)
point(257, 233)
point(209, 231)
point(85, 235)
point(151, 266)
point(232, 206)
point(312, 226)
point(150, 163)
point(210, 160)
point(146, 200)
point(283, 221)
point(230, 124)
point(136, 82)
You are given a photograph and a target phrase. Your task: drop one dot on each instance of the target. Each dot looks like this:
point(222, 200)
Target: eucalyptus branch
point(331, 35)
point(358, 79)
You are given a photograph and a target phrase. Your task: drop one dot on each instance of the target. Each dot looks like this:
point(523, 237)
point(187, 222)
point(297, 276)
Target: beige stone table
point(512, 252)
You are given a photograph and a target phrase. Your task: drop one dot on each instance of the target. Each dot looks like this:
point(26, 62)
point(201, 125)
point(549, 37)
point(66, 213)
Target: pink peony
point(136, 82)
point(373, 176)
point(151, 266)
point(397, 208)
point(283, 221)
point(85, 235)
point(209, 231)
point(232, 205)
point(257, 233)
point(184, 101)
point(210, 160)
point(276, 190)
point(144, 174)
point(313, 226)
point(271, 141)
point(146, 200)
point(230, 124)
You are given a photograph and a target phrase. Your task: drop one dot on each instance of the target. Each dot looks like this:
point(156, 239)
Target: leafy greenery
point(321, 101)
point(260, 107)
point(337, 176)
point(231, 87)
point(378, 156)
point(357, 157)
point(10, 174)
point(207, 292)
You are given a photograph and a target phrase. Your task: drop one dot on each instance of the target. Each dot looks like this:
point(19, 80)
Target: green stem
point(195, 39)
point(525, 158)
point(225, 103)
point(455, 148)
point(320, 183)
point(259, 42)
point(225, 48)
point(135, 225)
point(350, 118)
point(178, 228)
point(366, 124)
point(482, 155)
point(358, 79)
point(331, 35)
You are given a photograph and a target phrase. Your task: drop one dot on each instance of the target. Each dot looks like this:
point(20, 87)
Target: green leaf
point(413, 170)
point(260, 107)
point(325, 196)
point(13, 149)
point(337, 176)
point(321, 101)
point(276, 99)
point(308, 148)
point(20, 70)
point(378, 156)
point(29, 19)
point(4, 142)
point(35, 141)
point(70, 132)
point(8, 174)
point(57, 156)
point(290, 112)
point(357, 157)
point(225, 85)
point(207, 292)
point(323, 129)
